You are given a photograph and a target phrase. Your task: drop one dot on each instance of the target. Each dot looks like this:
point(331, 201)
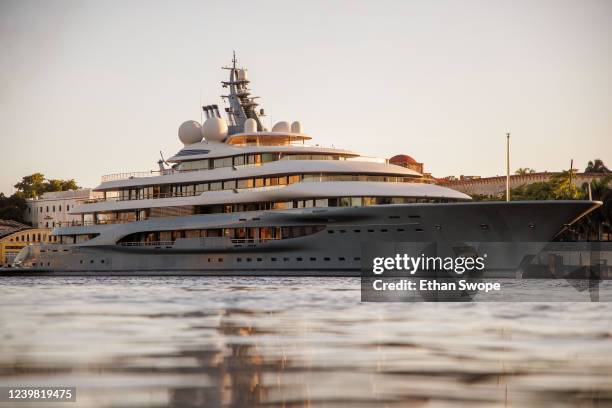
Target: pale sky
point(95, 87)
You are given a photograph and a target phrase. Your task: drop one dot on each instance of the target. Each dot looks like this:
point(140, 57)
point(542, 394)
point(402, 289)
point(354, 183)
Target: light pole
point(508, 167)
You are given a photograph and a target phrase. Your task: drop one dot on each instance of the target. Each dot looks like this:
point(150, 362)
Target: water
point(293, 342)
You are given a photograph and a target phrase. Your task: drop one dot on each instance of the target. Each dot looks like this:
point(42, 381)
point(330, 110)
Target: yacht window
point(229, 185)
point(201, 188)
point(238, 160)
point(246, 183)
point(215, 186)
point(254, 159)
point(268, 157)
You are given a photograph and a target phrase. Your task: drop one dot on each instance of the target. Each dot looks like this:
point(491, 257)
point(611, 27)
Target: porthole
point(102, 261)
point(414, 216)
point(326, 258)
point(357, 231)
point(273, 259)
point(484, 227)
point(356, 258)
point(286, 259)
point(418, 229)
point(370, 230)
point(208, 259)
point(81, 261)
point(259, 259)
point(238, 259)
point(298, 259)
point(394, 217)
point(220, 259)
point(531, 225)
point(249, 259)
point(313, 259)
point(341, 258)
point(400, 230)
point(330, 231)
point(383, 230)
point(91, 261)
point(438, 227)
point(342, 231)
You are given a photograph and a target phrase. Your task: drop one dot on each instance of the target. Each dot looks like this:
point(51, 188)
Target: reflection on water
point(295, 342)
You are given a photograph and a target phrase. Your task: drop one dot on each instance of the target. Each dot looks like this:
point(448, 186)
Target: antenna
point(162, 158)
point(508, 167)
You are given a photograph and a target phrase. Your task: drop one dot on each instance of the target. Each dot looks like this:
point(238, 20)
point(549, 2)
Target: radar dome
point(296, 127)
point(282, 127)
point(250, 125)
point(215, 129)
point(190, 132)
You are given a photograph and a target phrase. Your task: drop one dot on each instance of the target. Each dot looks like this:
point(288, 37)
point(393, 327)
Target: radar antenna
point(242, 105)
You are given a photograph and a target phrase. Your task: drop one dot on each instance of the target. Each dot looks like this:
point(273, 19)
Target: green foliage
point(12, 208)
point(35, 185)
point(524, 170)
point(563, 187)
point(596, 166)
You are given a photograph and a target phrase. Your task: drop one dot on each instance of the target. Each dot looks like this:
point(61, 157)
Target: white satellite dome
point(190, 132)
point(215, 129)
point(296, 127)
point(282, 127)
point(250, 125)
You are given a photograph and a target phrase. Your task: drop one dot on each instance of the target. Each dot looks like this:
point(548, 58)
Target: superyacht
point(242, 199)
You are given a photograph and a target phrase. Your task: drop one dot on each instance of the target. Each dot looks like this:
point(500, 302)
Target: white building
point(51, 209)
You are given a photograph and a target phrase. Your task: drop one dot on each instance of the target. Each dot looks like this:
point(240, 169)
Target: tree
point(31, 186)
point(594, 224)
point(12, 208)
point(563, 187)
point(521, 171)
point(596, 166)
point(35, 185)
point(61, 185)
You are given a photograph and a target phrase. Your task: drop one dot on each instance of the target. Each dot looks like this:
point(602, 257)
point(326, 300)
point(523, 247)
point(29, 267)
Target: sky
point(95, 87)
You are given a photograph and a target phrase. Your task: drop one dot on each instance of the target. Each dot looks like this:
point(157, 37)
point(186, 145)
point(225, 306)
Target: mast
point(242, 104)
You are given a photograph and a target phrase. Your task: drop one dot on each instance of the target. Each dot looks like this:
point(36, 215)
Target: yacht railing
point(62, 224)
point(135, 174)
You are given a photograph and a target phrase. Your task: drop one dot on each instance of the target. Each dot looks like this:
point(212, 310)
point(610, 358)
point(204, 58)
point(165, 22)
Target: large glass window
point(200, 188)
point(238, 160)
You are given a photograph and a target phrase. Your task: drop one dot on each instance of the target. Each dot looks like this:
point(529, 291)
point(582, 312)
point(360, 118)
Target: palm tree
point(597, 166)
point(521, 171)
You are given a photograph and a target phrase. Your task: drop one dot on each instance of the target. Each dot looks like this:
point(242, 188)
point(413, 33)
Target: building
point(496, 186)
point(408, 162)
point(14, 236)
point(51, 209)
point(9, 226)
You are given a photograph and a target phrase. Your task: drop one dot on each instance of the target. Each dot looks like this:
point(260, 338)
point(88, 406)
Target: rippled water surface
point(294, 342)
